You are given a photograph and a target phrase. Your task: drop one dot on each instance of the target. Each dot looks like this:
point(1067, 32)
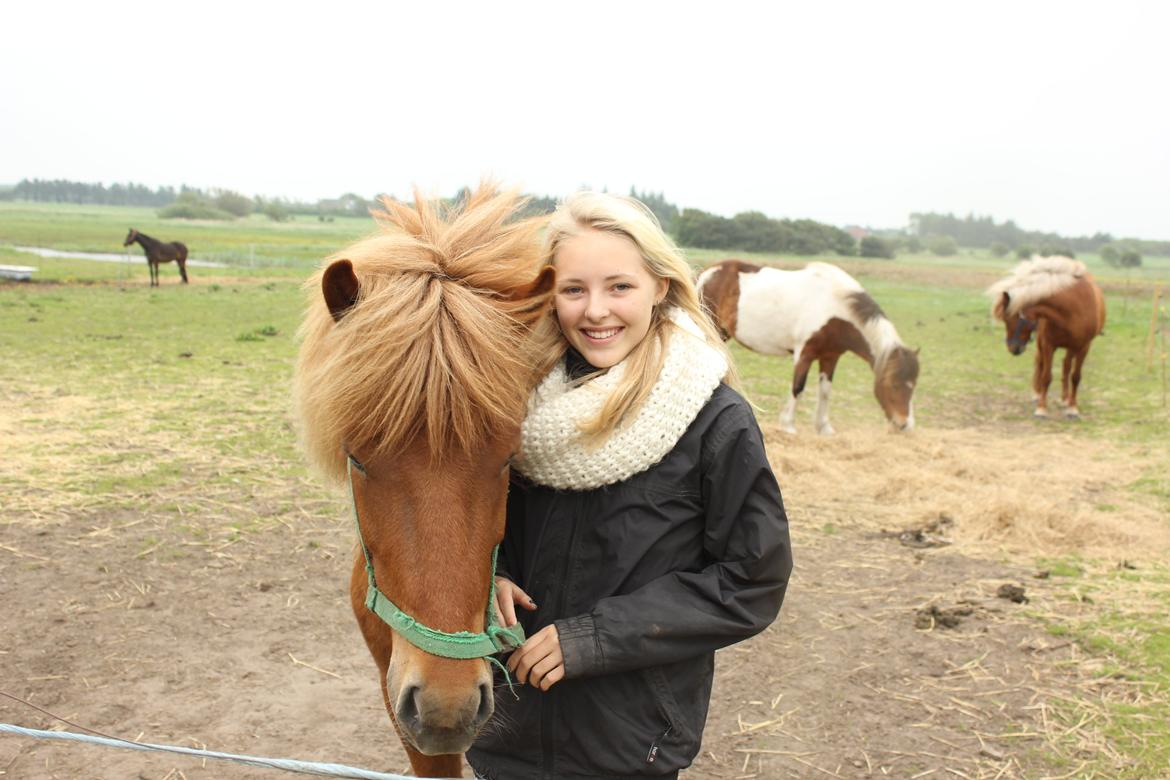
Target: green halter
point(461, 644)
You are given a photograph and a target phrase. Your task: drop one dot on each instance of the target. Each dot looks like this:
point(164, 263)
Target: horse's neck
point(146, 241)
point(881, 336)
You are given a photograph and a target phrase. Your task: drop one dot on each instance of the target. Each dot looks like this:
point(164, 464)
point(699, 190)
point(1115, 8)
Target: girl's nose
point(597, 309)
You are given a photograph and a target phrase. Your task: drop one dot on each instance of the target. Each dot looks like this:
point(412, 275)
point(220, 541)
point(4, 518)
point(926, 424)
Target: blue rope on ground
point(289, 765)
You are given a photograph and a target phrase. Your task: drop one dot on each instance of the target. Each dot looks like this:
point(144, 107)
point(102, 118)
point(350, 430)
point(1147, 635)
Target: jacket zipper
point(547, 700)
point(653, 754)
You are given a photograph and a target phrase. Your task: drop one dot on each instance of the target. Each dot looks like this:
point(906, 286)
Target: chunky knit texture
point(552, 451)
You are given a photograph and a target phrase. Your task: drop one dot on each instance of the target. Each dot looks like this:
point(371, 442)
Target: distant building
point(858, 233)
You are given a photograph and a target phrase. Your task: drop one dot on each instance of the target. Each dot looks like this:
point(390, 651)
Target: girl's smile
point(605, 295)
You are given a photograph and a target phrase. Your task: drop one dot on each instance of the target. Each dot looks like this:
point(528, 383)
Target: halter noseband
point(461, 644)
point(1017, 329)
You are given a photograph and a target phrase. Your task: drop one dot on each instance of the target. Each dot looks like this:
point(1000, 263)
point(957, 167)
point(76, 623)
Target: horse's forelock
point(899, 364)
point(1031, 281)
point(431, 347)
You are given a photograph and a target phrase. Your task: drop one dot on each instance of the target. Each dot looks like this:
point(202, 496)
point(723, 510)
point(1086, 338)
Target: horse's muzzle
point(435, 727)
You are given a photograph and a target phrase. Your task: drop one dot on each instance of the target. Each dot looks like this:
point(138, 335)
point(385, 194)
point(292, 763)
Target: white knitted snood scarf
point(552, 452)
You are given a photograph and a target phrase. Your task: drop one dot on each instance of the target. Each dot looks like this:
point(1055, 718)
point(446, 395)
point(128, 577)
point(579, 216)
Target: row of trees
point(1119, 254)
point(940, 234)
point(754, 232)
point(184, 203)
point(222, 204)
point(63, 191)
point(986, 233)
point(751, 231)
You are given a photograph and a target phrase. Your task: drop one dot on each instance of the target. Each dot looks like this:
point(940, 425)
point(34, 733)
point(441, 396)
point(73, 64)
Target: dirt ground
point(247, 645)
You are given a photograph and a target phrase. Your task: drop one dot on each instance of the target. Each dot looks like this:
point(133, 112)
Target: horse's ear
point(340, 287)
point(1002, 307)
point(534, 296)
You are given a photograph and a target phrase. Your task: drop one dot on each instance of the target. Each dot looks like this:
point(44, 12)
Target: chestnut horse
point(159, 252)
point(1057, 299)
point(815, 314)
point(411, 384)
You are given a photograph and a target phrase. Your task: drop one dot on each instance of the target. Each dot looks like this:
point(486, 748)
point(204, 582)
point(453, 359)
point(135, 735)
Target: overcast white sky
point(1054, 114)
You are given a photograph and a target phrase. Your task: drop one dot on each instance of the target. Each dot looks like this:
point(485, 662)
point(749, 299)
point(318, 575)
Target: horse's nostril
point(408, 709)
point(486, 703)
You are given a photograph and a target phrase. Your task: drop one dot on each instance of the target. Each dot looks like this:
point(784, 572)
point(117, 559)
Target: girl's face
point(605, 295)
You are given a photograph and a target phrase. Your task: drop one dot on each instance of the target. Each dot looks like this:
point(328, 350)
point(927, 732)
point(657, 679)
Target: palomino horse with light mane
point(159, 252)
point(411, 384)
point(815, 314)
point(1057, 299)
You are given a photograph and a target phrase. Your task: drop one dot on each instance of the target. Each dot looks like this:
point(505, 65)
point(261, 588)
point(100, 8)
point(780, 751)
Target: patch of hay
point(1036, 495)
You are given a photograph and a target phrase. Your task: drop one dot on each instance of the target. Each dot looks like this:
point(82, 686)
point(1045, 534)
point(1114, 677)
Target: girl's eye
point(571, 291)
point(623, 286)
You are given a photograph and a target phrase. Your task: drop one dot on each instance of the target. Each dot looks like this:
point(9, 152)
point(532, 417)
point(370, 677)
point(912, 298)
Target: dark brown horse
point(159, 252)
point(1057, 299)
point(411, 385)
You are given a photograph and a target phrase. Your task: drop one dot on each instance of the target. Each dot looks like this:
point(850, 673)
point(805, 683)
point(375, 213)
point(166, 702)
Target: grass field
point(252, 241)
point(120, 396)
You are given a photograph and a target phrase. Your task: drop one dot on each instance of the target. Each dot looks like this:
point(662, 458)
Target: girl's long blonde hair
point(630, 219)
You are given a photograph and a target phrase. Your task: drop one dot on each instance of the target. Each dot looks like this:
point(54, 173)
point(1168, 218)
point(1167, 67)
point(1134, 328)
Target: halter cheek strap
point(460, 644)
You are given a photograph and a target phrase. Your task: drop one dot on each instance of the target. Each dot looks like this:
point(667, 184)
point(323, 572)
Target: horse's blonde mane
point(1034, 280)
point(435, 346)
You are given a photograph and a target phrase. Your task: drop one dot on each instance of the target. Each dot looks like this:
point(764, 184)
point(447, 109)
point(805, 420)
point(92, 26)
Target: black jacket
point(644, 579)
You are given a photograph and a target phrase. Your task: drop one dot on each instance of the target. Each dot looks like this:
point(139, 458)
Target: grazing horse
point(159, 252)
point(1057, 299)
point(411, 384)
point(815, 314)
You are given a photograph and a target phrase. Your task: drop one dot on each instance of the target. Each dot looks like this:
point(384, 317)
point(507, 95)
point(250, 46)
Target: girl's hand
point(539, 660)
point(508, 595)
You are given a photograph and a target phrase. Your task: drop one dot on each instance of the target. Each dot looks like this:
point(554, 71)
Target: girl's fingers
point(538, 646)
point(542, 671)
point(505, 601)
point(522, 598)
point(507, 608)
point(553, 677)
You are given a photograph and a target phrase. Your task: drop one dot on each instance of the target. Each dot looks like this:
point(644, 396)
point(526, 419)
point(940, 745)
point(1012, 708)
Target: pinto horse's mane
point(862, 311)
point(433, 346)
point(1031, 281)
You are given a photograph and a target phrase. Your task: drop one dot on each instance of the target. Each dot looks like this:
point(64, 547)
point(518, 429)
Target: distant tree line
point(63, 191)
point(664, 210)
point(752, 231)
point(184, 203)
point(1002, 238)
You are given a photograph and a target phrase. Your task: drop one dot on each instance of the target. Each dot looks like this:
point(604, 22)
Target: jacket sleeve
point(737, 595)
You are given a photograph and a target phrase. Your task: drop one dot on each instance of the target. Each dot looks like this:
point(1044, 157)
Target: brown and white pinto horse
point(1057, 299)
point(415, 362)
point(815, 314)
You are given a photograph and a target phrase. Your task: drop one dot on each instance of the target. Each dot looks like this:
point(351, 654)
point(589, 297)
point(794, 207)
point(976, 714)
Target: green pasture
point(251, 241)
point(303, 240)
point(156, 400)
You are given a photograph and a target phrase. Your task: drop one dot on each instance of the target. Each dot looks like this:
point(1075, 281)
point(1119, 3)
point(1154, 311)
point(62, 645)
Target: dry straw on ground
point(1037, 495)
